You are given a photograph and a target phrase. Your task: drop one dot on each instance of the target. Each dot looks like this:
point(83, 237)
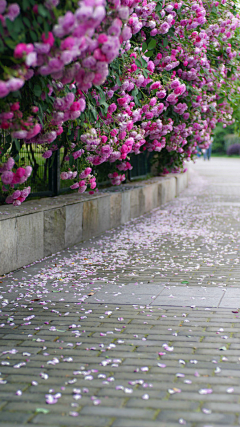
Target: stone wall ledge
point(39, 228)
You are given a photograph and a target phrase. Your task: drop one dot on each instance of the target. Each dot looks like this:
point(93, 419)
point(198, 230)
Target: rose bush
point(107, 79)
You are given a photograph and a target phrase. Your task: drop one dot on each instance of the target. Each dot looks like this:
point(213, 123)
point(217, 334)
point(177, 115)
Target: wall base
point(39, 228)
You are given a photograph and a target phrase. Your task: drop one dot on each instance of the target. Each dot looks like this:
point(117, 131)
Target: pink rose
point(7, 177)
point(49, 39)
point(82, 189)
point(64, 175)
point(112, 108)
point(34, 131)
point(74, 186)
point(47, 154)
point(4, 90)
point(20, 50)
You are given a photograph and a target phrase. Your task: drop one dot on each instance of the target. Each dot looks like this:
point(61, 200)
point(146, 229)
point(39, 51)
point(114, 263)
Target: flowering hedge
point(107, 79)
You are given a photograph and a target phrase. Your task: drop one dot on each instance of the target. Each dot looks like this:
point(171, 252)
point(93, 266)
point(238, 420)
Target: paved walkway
point(136, 328)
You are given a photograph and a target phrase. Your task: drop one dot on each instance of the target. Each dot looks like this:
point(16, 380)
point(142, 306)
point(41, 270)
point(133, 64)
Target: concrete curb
point(43, 227)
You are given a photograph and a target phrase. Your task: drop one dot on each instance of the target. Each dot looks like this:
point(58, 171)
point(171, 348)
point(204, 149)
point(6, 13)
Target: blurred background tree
point(223, 137)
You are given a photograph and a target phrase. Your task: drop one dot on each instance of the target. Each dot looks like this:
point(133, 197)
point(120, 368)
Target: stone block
point(126, 207)
point(29, 230)
point(54, 230)
point(167, 190)
point(135, 195)
point(181, 182)
point(90, 218)
point(103, 214)
point(8, 245)
point(96, 217)
point(74, 220)
point(155, 196)
point(151, 197)
point(141, 201)
point(115, 209)
point(159, 193)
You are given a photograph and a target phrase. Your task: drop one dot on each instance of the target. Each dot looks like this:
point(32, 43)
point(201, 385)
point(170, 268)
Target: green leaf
point(102, 100)
point(105, 107)
point(71, 160)
point(165, 42)
point(159, 6)
point(94, 112)
point(42, 11)
point(145, 73)
point(33, 36)
point(16, 94)
point(152, 44)
point(1, 46)
point(118, 81)
point(135, 91)
point(148, 54)
point(138, 63)
point(136, 101)
point(144, 47)
point(10, 43)
point(46, 28)
point(26, 21)
point(42, 410)
point(37, 90)
point(1, 28)
point(25, 4)
point(19, 27)
point(17, 144)
point(10, 25)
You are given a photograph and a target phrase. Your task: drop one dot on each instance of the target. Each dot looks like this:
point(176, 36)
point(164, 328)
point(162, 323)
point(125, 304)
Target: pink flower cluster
point(89, 40)
point(116, 179)
point(164, 98)
point(85, 179)
point(66, 108)
point(10, 11)
point(13, 121)
point(68, 175)
point(18, 196)
point(10, 179)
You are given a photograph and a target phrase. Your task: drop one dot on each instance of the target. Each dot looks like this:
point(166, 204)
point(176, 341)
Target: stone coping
point(39, 228)
point(46, 203)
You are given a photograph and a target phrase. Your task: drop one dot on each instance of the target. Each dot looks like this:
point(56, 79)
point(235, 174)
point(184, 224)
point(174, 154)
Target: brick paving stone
point(132, 423)
point(124, 365)
point(225, 419)
point(147, 414)
point(162, 404)
point(13, 424)
point(14, 417)
point(62, 421)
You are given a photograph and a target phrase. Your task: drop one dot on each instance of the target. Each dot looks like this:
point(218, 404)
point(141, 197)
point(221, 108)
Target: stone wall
point(39, 228)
